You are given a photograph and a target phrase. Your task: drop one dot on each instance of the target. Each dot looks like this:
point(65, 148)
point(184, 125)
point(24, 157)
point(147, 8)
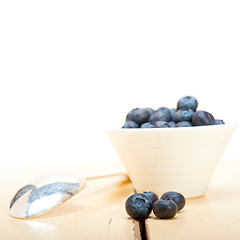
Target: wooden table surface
point(98, 212)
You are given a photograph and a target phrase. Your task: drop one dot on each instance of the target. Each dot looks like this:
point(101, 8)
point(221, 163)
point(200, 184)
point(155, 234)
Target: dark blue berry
point(165, 110)
point(172, 124)
point(147, 125)
point(130, 124)
point(158, 116)
point(178, 198)
point(183, 114)
point(187, 102)
point(161, 124)
point(219, 122)
point(151, 111)
point(138, 115)
point(152, 195)
point(201, 118)
point(165, 208)
point(184, 124)
point(138, 206)
point(172, 113)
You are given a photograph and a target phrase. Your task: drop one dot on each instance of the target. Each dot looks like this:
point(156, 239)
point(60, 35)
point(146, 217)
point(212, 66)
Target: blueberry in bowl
point(183, 114)
point(172, 113)
point(161, 124)
point(159, 116)
point(202, 118)
point(138, 115)
point(150, 110)
point(184, 124)
point(147, 125)
point(166, 111)
point(186, 111)
point(187, 102)
point(219, 122)
point(130, 124)
point(172, 124)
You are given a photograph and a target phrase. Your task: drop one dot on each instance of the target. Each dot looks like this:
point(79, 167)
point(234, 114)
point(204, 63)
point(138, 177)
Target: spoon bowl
point(47, 191)
point(44, 193)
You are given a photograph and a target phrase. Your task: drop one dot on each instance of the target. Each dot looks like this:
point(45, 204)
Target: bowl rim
point(193, 128)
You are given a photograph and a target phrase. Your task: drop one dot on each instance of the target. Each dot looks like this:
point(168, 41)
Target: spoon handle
point(105, 175)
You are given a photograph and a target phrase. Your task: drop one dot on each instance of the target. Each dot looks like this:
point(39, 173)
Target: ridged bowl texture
point(171, 159)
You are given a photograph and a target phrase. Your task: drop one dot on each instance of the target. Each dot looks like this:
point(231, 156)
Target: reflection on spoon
point(46, 192)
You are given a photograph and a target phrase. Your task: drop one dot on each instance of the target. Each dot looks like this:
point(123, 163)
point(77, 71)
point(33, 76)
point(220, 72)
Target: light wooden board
point(214, 216)
point(98, 211)
point(95, 213)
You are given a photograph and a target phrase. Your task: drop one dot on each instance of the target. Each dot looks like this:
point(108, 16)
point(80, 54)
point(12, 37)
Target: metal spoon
point(46, 192)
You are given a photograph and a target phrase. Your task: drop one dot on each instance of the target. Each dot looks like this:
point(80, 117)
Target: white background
point(69, 68)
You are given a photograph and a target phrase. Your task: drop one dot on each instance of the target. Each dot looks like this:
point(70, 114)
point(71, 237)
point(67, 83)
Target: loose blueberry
point(138, 206)
point(201, 118)
point(152, 195)
point(219, 122)
point(165, 110)
point(178, 198)
point(187, 102)
point(183, 114)
point(184, 124)
point(172, 124)
point(138, 115)
point(172, 113)
point(165, 208)
point(130, 124)
point(158, 116)
point(147, 125)
point(161, 124)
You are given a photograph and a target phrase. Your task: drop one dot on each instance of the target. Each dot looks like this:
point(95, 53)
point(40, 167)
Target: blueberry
point(172, 113)
point(152, 195)
point(184, 124)
point(138, 115)
point(165, 208)
point(178, 198)
point(158, 116)
point(183, 114)
point(138, 206)
point(201, 118)
point(161, 124)
point(130, 124)
point(147, 125)
point(151, 111)
point(218, 122)
point(187, 102)
point(172, 124)
point(165, 110)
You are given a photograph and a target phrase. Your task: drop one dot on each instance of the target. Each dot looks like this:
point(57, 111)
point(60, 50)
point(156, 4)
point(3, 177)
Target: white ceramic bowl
point(171, 159)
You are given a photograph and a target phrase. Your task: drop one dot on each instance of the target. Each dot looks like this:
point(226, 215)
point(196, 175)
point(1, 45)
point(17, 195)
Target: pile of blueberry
point(185, 115)
point(140, 205)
